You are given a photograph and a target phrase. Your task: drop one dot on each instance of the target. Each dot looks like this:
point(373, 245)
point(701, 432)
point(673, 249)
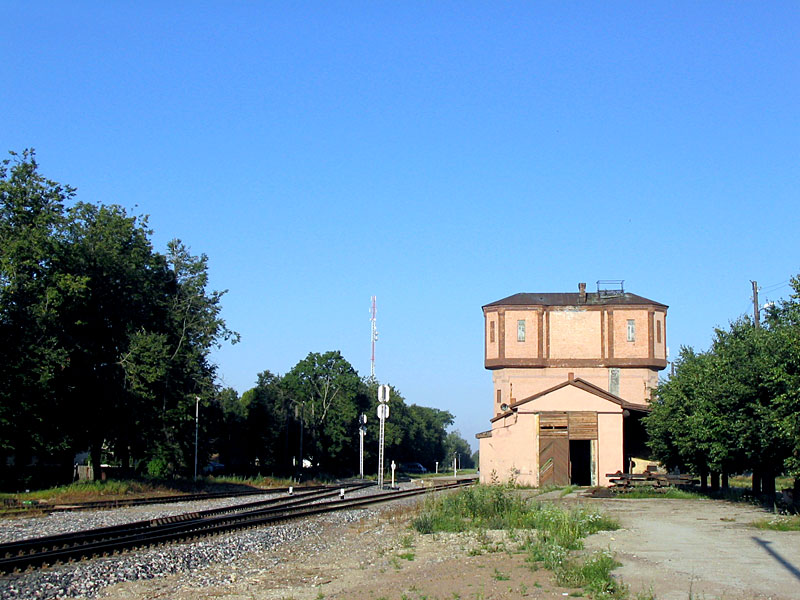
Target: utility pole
point(383, 414)
point(756, 318)
point(302, 427)
point(362, 430)
point(373, 319)
point(196, 431)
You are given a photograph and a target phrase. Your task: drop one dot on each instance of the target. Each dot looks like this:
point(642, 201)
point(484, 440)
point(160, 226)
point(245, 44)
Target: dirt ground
point(676, 549)
point(683, 549)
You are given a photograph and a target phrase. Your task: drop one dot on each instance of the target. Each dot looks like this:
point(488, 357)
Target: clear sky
point(437, 155)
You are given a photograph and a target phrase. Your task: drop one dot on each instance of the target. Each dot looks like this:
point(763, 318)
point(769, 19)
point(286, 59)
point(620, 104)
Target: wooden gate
point(553, 449)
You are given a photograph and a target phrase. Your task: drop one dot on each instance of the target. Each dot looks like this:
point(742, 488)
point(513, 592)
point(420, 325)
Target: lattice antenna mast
point(373, 319)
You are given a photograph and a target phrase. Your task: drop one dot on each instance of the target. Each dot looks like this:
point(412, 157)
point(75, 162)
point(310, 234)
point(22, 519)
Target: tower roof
point(572, 299)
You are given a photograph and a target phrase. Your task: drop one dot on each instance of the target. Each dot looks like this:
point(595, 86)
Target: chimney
point(570, 376)
point(582, 293)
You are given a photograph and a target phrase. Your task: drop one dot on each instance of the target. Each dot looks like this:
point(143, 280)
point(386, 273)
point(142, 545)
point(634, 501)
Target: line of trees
point(735, 408)
point(105, 343)
point(311, 413)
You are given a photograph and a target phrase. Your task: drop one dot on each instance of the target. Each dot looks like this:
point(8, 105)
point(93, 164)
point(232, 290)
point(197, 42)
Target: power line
point(772, 288)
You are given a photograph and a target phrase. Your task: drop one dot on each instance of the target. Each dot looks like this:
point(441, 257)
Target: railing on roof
point(608, 288)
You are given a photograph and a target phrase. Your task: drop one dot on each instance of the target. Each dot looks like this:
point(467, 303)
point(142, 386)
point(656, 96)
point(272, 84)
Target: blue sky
point(437, 155)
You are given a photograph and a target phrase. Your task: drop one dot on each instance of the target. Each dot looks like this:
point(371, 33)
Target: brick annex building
point(573, 374)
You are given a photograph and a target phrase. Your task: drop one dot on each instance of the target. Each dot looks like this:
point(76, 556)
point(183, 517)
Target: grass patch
point(496, 507)
point(112, 489)
point(86, 491)
point(553, 533)
point(499, 576)
point(779, 523)
point(646, 491)
point(593, 575)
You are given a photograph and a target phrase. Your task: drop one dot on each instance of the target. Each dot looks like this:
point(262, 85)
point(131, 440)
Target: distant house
point(572, 375)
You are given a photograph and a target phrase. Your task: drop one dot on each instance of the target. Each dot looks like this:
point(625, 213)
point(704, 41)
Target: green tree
point(413, 433)
point(325, 391)
point(674, 425)
point(108, 341)
point(734, 408)
point(457, 446)
point(267, 426)
point(193, 326)
point(32, 294)
point(122, 302)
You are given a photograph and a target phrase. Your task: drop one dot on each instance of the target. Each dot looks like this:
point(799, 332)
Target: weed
point(568, 490)
point(409, 556)
point(500, 576)
point(407, 541)
point(523, 589)
point(593, 574)
point(395, 563)
point(779, 523)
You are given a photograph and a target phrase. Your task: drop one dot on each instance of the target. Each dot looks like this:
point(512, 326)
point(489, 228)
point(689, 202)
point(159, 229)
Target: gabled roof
point(571, 299)
point(581, 384)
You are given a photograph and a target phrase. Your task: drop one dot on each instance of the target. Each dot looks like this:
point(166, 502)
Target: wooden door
point(553, 459)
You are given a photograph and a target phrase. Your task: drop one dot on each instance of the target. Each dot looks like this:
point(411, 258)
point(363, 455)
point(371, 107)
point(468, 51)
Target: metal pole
point(383, 412)
point(380, 454)
point(302, 426)
point(361, 453)
point(196, 431)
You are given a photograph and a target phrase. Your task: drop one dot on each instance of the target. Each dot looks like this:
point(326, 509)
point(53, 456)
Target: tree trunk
point(756, 482)
point(95, 449)
point(703, 480)
point(124, 454)
point(714, 481)
point(725, 482)
point(768, 485)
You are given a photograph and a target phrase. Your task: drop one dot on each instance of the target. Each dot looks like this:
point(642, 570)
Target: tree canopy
point(736, 407)
point(106, 346)
point(106, 341)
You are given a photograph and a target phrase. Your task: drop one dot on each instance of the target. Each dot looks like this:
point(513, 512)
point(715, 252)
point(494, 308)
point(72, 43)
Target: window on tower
point(631, 330)
point(521, 330)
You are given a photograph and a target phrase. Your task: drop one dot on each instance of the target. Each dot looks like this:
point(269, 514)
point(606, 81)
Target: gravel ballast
point(89, 578)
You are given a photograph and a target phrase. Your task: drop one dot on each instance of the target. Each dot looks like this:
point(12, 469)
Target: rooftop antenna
point(373, 333)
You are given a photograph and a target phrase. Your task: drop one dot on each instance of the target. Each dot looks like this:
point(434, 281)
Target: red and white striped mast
point(374, 333)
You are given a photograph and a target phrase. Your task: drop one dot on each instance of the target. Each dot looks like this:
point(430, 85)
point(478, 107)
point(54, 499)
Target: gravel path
point(700, 549)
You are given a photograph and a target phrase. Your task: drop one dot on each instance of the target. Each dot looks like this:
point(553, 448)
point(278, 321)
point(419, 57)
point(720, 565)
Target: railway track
point(60, 549)
point(46, 508)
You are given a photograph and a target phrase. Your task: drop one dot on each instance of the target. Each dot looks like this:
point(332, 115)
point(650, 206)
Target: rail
point(43, 552)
